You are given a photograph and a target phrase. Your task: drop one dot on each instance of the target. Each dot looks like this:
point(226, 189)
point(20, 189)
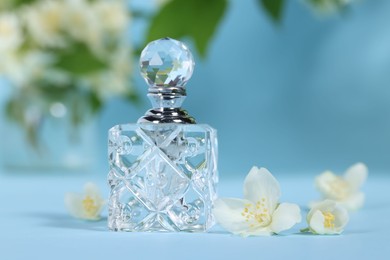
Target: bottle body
point(162, 177)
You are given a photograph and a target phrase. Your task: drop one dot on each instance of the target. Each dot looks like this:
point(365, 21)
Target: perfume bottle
point(163, 169)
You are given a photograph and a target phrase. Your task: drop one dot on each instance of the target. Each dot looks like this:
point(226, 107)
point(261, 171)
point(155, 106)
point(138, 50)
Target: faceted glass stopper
point(166, 62)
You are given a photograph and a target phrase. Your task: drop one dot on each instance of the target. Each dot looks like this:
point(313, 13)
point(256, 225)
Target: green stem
point(305, 230)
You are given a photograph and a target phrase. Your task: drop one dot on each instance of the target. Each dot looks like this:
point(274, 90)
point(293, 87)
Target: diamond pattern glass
point(162, 177)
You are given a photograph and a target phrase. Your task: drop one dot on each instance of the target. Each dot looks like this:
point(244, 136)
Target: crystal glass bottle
point(163, 169)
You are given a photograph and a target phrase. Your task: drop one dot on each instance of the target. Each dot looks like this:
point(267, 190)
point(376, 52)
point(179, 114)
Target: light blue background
point(310, 94)
point(307, 95)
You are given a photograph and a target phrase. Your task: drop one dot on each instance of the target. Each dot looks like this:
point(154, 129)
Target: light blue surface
point(35, 225)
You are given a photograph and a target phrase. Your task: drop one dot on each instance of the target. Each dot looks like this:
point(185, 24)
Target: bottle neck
point(166, 103)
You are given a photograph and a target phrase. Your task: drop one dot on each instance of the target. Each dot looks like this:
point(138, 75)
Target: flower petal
point(324, 205)
point(354, 202)
point(341, 218)
point(314, 203)
point(228, 213)
point(285, 217)
point(261, 184)
point(262, 231)
point(325, 183)
point(356, 176)
point(73, 203)
point(87, 205)
point(91, 188)
point(316, 222)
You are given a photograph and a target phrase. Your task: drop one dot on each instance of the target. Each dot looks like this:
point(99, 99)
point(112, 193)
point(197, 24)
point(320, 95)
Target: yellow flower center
point(257, 214)
point(329, 219)
point(340, 188)
point(90, 206)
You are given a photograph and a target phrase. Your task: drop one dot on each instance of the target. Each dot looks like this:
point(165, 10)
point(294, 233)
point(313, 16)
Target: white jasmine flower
point(82, 23)
point(327, 217)
point(10, 33)
point(87, 205)
point(113, 15)
point(48, 25)
point(23, 69)
point(44, 22)
point(344, 189)
point(259, 213)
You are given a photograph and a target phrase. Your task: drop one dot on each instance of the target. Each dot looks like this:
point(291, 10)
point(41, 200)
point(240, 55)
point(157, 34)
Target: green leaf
point(22, 2)
point(274, 8)
point(6, 4)
point(14, 111)
point(133, 97)
point(79, 60)
point(95, 102)
point(197, 19)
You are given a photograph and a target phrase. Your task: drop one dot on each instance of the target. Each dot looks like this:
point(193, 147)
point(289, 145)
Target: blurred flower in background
point(328, 6)
point(64, 52)
point(346, 189)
